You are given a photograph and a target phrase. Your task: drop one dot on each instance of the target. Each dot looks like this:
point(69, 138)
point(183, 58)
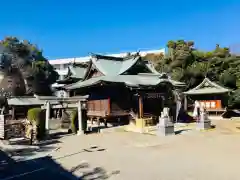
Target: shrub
point(74, 121)
point(37, 116)
point(234, 100)
point(229, 80)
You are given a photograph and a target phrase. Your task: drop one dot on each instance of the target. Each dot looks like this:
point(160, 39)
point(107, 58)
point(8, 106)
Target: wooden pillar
point(185, 102)
point(109, 106)
point(47, 116)
point(98, 123)
point(140, 103)
point(80, 121)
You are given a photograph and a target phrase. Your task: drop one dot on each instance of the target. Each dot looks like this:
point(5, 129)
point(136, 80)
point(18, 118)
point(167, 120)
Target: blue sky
point(77, 27)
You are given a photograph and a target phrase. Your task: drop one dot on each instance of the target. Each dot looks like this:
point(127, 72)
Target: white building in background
point(61, 65)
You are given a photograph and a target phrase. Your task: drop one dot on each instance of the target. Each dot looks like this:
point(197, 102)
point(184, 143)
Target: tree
point(25, 65)
point(190, 65)
point(228, 79)
point(234, 100)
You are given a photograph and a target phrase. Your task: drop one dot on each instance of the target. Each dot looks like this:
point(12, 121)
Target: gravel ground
point(129, 156)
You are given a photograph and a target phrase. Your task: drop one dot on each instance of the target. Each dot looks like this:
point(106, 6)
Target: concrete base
point(133, 128)
point(80, 133)
point(204, 125)
point(165, 130)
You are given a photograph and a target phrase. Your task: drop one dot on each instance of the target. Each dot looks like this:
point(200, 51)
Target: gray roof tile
point(207, 87)
point(129, 80)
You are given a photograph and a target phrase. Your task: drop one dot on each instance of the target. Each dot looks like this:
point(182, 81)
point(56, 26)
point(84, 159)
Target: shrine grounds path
point(213, 155)
point(190, 155)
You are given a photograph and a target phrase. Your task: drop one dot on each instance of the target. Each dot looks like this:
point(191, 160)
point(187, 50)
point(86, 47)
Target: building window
point(66, 66)
point(56, 66)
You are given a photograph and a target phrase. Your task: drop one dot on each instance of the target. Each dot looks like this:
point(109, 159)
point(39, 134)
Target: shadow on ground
point(47, 168)
point(37, 169)
point(182, 131)
point(58, 135)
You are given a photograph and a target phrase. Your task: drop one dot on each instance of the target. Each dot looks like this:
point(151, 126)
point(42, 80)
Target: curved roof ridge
point(128, 80)
point(206, 80)
point(128, 63)
point(113, 65)
point(204, 88)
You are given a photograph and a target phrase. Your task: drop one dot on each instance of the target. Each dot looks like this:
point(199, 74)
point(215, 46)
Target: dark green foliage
point(28, 60)
point(74, 121)
point(37, 116)
point(228, 79)
point(189, 65)
point(234, 100)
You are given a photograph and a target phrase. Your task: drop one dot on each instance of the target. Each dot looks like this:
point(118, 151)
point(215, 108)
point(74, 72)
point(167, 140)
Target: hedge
point(37, 116)
point(74, 121)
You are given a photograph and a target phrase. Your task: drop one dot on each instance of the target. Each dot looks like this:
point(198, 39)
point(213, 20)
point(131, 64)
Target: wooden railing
point(14, 129)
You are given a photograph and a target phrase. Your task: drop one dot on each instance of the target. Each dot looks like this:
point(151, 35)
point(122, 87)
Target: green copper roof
point(129, 80)
point(77, 71)
point(207, 87)
point(113, 66)
point(24, 101)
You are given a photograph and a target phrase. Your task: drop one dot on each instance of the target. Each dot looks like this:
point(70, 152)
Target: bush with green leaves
point(234, 100)
point(74, 121)
point(37, 116)
point(190, 65)
point(228, 79)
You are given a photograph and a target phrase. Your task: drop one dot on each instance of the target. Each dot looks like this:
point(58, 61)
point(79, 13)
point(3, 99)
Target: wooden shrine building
point(119, 87)
point(210, 94)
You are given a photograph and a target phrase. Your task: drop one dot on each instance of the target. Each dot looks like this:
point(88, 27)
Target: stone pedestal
point(204, 122)
point(165, 126)
point(80, 132)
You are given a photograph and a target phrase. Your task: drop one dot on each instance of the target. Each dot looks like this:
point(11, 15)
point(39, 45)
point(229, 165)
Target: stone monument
point(204, 123)
point(165, 126)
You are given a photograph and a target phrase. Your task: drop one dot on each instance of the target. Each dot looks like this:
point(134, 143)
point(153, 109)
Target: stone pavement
point(126, 155)
point(196, 156)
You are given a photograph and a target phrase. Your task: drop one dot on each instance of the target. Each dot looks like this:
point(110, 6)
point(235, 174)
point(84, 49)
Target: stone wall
point(14, 129)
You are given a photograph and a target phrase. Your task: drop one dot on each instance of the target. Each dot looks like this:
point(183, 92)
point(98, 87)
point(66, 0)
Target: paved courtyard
point(125, 155)
point(128, 156)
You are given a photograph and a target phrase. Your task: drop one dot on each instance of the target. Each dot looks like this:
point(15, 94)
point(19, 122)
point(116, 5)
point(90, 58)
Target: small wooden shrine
point(210, 94)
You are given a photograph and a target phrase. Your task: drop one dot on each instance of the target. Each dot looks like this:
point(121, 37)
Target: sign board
point(211, 104)
point(154, 95)
point(61, 94)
